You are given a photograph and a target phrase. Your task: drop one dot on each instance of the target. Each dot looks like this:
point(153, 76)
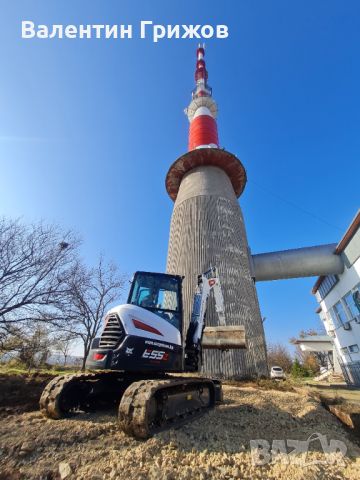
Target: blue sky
point(88, 128)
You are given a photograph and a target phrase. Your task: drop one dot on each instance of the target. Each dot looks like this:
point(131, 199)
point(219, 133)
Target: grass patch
point(287, 385)
point(19, 369)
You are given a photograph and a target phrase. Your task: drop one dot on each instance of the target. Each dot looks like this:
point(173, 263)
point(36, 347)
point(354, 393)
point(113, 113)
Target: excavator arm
point(207, 281)
point(199, 336)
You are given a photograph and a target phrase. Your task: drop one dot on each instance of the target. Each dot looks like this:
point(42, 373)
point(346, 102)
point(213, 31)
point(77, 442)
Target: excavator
point(135, 360)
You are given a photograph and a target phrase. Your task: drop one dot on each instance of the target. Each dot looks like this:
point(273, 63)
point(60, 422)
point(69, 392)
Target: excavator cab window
point(159, 293)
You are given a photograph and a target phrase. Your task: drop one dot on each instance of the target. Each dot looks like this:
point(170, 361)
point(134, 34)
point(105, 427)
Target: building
point(323, 347)
point(207, 228)
point(339, 303)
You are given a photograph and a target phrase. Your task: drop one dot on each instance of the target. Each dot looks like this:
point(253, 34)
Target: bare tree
point(42, 282)
point(278, 355)
point(90, 294)
point(31, 346)
point(63, 344)
point(35, 263)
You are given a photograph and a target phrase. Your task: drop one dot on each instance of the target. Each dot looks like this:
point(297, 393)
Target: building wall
point(207, 228)
point(348, 281)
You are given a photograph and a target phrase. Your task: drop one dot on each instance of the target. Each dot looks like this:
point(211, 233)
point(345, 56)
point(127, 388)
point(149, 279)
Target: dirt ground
point(216, 446)
point(21, 392)
point(336, 392)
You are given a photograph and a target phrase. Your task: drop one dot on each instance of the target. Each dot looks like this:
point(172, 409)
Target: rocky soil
point(216, 446)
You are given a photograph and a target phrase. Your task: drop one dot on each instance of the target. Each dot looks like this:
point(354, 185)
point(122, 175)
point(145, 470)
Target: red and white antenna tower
point(202, 110)
point(207, 228)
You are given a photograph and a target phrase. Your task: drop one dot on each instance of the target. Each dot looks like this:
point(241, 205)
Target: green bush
point(298, 370)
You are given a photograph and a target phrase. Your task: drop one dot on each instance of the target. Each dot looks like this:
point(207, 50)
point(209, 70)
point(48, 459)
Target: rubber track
point(134, 405)
point(49, 400)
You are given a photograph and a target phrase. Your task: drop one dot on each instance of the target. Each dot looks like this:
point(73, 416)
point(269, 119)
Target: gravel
point(216, 446)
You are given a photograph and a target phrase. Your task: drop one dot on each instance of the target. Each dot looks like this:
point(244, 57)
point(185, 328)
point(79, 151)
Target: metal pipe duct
point(299, 262)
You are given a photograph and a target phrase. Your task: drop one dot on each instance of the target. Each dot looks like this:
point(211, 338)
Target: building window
point(353, 348)
point(327, 284)
point(356, 297)
point(335, 321)
point(345, 352)
point(352, 302)
point(340, 314)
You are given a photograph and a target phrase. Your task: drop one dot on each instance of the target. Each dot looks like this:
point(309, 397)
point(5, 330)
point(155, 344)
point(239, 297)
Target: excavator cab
point(145, 334)
point(159, 293)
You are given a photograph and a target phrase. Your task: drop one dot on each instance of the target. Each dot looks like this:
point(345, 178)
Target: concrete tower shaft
point(207, 228)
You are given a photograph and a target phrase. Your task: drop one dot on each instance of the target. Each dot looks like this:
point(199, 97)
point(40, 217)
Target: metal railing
point(351, 372)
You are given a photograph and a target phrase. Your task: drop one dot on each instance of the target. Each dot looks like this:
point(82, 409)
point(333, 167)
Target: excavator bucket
point(224, 337)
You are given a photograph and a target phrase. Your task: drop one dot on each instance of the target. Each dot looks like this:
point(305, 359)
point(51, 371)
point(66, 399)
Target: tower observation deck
point(207, 228)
